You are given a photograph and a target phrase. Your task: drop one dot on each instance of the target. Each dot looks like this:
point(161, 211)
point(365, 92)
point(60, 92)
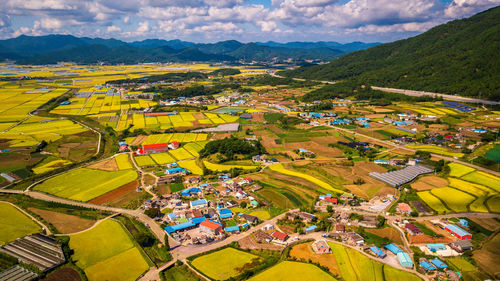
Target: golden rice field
point(163, 158)
point(223, 168)
point(455, 199)
point(191, 166)
point(457, 170)
point(281, 169)
point(436, 150)
point(433, 202)
point(180, 154)
point(52, 165)
point(144, 160)
point(168, 137)
point(123, 161)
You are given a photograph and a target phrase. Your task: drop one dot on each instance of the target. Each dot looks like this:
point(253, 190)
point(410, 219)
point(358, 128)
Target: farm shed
point(427, 266)
point(182, 226)
point(438, 263)
point(153, 148)
point(201, 203)
point(397, 178)
point(393, 248)
point(461, 245)
point(436, 247)
point(378, 252)
point(412, 229)
point(457, 231)
point(311, 228)
point(209, 226)
point(198, 220)
point(17, 273)
point(232, 229)
point(176, 171)
point(405, 259)
point(280, 235)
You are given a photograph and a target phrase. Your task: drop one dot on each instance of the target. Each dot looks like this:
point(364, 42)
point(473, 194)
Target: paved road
point(444, 96)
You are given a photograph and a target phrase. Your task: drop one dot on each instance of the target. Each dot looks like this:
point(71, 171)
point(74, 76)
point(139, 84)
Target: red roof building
point(153, 148)
point(279, 235)
point(210, 227)
point(173, 145)
point(332, 200)
point(404, 208)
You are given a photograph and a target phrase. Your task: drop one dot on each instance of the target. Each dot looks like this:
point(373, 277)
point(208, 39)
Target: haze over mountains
point(459, 57)
point(55, 48)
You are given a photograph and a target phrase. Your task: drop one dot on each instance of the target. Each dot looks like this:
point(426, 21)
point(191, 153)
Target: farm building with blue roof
point(190, 191)
point(427, 266)
point(438, 263)
point(378, 252)
point(232, 228)
point(436, 247)
point(393, 248)
point(182, 226)
point(405, 259)
point(198, 203)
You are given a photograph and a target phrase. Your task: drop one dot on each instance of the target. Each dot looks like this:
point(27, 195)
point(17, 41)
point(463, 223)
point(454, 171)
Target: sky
point(243, 20)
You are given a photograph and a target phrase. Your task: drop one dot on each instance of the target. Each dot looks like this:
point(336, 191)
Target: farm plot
point(293, 271)
point(355, 266)
point(104, 249)
point(223, 264)
point(144, 160)
point(483, 178)
point(181, 154)
point(455, 199)
point(304, 252)
point(52, 165)
point(432, 201)
point(123, 161)
point(436, 150)
point(64, 223)
point(281, 169)
point(458, 170)
point(222, 168)
point(162, 158)
point(70, 185)
point(191, 166)
point(14, 224)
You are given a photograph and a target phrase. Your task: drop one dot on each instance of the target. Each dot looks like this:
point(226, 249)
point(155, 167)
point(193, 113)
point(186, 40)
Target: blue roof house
point(427, 265)
point(232, 229)
point(393, 248)
point(438, 263)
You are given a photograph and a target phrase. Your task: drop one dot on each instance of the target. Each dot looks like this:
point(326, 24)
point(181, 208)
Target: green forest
point(459, 57)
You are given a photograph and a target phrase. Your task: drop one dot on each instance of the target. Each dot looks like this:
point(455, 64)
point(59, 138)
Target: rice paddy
point(281, 169)
point(293, 271)
point(223, 264)
point(123, 161)
point(104, 249)
point(191, 166)
point(85, 184)
point(14, 224)
point(436, 150)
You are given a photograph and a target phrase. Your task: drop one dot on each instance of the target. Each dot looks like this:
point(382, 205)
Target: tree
point(243, 204)
point(329, 209)
point(152, 212)
point(144, 239)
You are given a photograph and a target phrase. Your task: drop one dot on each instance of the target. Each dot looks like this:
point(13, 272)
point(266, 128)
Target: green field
point(106, 252)
point(461, 264)
point(355, 266)
point(85, 184)
point(280, 169)
point(180, 273)
point(293, 271)
point(493, 154)
point(14, 224)
point(223, 264)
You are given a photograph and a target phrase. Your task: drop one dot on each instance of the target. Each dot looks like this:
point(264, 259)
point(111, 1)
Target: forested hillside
point(459, 57)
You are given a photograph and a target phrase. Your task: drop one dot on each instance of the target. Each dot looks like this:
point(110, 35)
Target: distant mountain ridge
point(55, 48)
point(459, 57)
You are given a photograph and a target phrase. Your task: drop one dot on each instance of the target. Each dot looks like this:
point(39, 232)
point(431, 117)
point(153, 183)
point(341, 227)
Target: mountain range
point(54, 48)
point(460, 57)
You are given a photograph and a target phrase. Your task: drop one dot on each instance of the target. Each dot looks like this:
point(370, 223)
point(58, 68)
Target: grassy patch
point(14, 224)
point(223, 264)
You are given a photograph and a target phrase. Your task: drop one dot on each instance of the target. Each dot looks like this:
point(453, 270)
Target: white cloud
point(113, 29)
point(463, 8)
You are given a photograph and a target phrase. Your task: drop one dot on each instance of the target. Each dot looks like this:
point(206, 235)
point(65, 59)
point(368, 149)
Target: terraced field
point(281, 169)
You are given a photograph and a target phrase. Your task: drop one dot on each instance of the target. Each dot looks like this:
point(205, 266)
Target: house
point(404, 208)
point(461, 245)
point(412, 229)
point(261, 236)
point(457, 232)
point(153, 148)
point(311, 229)
point(426, 265)
point(347, 196)
point(355, 239)
point(209, 226)
point(280, 236)
point(232, 229)
point(225, 213)
point(173, 145)
point(405, 259)
point(173, 171)
point(306, 217)
point(190, 192)
point(393, 248)
point(434, 247)
point(267, 227)
point(196, 204)
point(339, 228)
point(321, 247)
point(305, 152)
point(330, 200)
point(438, 263)
point(254, 203)
point(178, 227)
point(250, 219)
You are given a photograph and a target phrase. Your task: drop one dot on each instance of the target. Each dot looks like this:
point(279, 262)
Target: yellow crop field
point(458, 170)
point(144, 160)
point(223, 264)
point(162, 158)
point(453, 198)
point(436, 150)
point(181, 154)
point(50, 166)
point(281, 169)
point(483, 178)
point(123, 161)
point(476, 189)
point(479, 205)
point(432, 201)
point(191, 166)
point(222, 168)
point(494, 204)
point(193, 148)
